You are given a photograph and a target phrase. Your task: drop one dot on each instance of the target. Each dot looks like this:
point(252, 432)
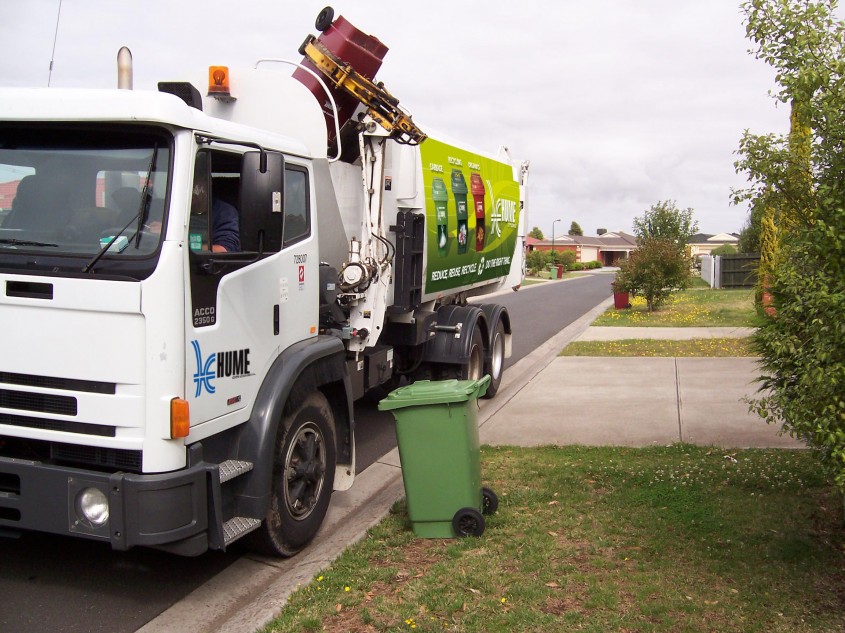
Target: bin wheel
point(468, 522)
point(324, 19)
point(489, 501)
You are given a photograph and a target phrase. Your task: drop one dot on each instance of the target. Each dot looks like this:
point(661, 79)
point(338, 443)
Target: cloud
point(617, 105)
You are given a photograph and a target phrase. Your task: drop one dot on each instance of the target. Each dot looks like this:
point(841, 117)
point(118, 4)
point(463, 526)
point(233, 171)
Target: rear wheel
point(495, 363)
point(303, 479)
point(489, 501)
point(474, 368)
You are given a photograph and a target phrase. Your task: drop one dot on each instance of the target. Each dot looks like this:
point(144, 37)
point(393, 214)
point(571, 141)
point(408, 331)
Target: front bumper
point(150, 510)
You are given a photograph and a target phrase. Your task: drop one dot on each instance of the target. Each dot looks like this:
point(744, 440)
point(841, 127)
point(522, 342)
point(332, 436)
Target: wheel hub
point(305, 469)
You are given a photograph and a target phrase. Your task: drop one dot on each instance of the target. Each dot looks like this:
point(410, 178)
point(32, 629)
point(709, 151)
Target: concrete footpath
point(544, 399)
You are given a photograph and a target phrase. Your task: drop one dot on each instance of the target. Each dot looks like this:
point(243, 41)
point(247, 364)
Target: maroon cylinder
point(361, 51)
point(620, 301)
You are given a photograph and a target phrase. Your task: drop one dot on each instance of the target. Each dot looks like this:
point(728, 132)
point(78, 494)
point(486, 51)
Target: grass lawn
point(700, 307)
point(676, 538)
point(710, 347)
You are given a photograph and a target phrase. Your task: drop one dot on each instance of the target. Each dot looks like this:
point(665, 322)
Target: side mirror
point(262, 202)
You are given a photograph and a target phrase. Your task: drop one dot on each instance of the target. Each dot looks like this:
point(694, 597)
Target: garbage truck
point(195, 287)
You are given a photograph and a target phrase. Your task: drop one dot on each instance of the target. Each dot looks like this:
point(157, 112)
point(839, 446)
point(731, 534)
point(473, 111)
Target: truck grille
point(58, 425)
point(66, 384)
point(109, 459)
point(42, 402)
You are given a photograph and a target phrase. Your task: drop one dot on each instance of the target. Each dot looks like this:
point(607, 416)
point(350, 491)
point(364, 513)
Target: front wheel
point(303, 479)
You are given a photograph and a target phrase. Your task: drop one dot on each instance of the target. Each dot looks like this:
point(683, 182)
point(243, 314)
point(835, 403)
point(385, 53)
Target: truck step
point(236, 527)
point(232, 468)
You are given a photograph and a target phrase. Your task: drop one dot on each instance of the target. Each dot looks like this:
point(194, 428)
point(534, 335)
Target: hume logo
point(229, 364)
point(205, 372)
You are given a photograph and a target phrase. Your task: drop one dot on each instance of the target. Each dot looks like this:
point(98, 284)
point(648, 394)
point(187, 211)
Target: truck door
point(253, 279)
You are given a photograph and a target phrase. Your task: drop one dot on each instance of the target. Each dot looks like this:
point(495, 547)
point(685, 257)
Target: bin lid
point(425, 392)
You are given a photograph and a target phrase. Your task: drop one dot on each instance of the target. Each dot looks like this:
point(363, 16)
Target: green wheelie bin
point(437, 434)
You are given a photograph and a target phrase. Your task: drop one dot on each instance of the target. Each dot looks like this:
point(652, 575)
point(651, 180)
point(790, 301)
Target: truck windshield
point(66, 192)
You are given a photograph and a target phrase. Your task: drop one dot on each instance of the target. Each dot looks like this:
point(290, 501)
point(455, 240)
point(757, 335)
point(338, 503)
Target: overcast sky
point(617, 104)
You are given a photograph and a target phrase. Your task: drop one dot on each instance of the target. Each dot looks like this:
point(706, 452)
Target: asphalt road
point(51, 583)
point(537, 313)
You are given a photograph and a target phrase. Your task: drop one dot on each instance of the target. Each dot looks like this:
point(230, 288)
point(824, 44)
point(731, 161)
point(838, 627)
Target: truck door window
point(297, 212)
point(199, 229)
point(214, 223)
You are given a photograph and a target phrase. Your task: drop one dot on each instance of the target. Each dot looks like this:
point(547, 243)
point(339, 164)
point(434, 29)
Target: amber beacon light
point(218, 82)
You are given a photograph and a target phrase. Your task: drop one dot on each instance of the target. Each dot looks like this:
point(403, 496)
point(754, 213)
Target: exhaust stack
point(124, 69)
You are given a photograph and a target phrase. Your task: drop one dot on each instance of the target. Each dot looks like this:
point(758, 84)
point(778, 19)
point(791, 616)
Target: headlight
point(92, 505)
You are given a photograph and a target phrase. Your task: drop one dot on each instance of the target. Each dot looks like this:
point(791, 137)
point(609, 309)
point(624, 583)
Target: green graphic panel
point(472, 213)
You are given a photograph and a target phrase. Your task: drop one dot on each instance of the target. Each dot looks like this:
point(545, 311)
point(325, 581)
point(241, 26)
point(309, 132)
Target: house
point(607, 248)
point(703, 243)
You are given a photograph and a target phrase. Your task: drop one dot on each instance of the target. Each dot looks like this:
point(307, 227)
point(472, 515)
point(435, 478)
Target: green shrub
point(802, 347)
point(565, 257)
point(654, 271)
point(724, 249)
point(797, 183)
point(536, 261)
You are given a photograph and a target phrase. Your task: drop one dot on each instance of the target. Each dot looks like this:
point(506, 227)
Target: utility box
point(437, 434)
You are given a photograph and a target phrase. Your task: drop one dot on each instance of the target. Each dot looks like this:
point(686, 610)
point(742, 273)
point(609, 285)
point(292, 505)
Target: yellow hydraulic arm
point(382, 106)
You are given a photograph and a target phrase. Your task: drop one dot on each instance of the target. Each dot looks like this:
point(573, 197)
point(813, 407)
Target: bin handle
point(482, 384)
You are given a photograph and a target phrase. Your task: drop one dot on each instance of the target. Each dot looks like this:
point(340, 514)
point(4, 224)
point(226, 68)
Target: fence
point(730, 271)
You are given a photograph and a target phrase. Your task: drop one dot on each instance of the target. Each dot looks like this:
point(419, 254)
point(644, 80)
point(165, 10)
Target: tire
point(489, 501)
point(468, 522)
point(494, 365)
point(472, 370)
point(303, 479)
point(324, 19)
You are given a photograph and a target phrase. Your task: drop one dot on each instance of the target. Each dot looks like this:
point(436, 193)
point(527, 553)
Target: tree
point(655, 270)
point(798, 184)
point(536, 233)
point(575, 229)
point(749, 236)
point(665, 221)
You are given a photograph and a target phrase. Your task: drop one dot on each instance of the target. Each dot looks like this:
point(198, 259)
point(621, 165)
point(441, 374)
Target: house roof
point(617, 241)
point(719, 238)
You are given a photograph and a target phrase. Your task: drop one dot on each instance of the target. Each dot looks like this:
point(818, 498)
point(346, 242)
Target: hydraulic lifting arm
point(381, 105)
